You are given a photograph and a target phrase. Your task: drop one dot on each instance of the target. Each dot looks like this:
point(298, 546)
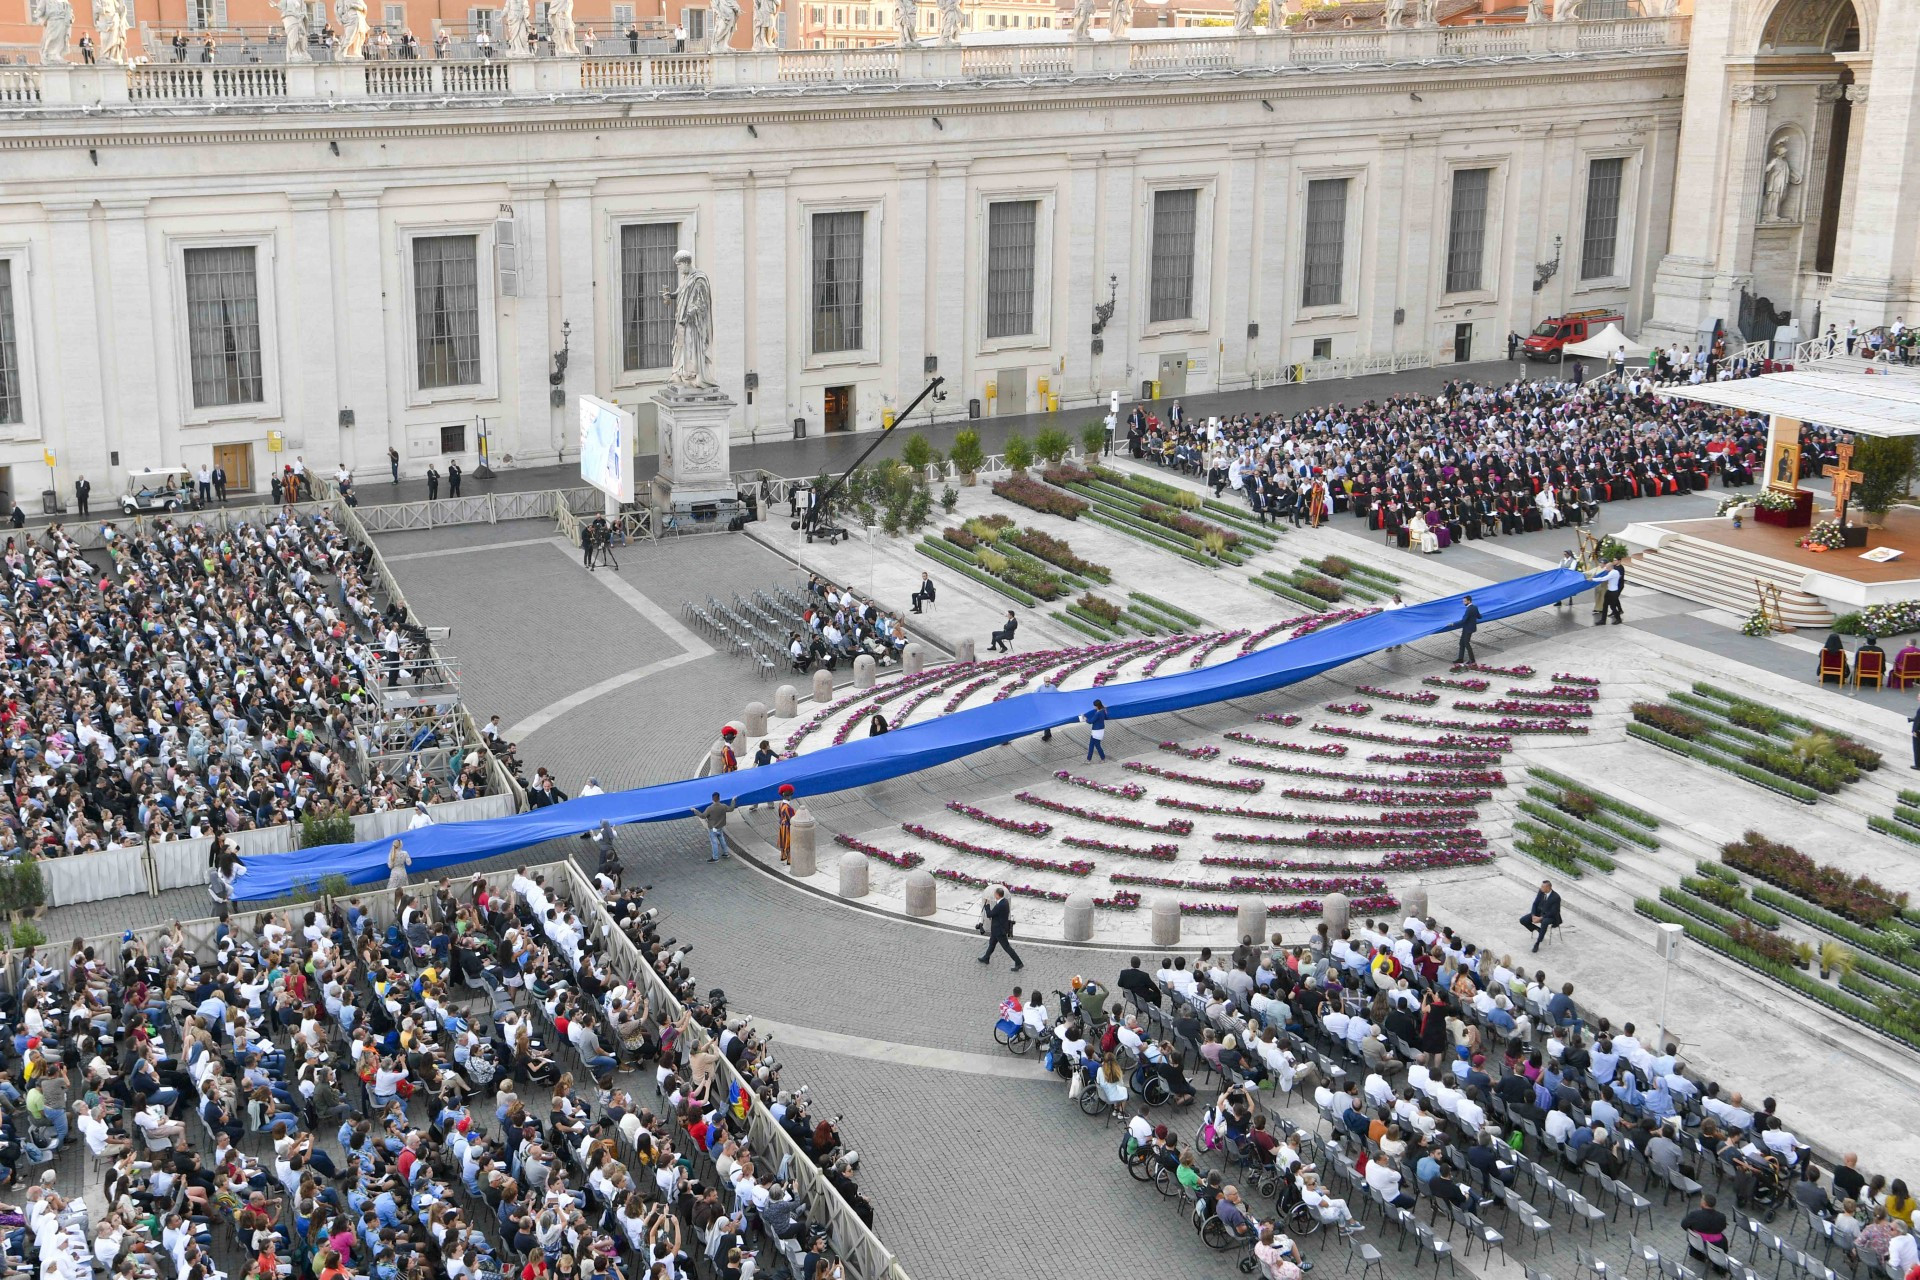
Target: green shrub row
point(1625, 810)
point(1901, 830)
point(1097, 633)
point(1294, 594)
point(1606, 822)
point(1549, 847)
point(1187, 553)
point(1566, 843)
point(1716, 760)
point(1891, 945)
point(1729, 895)
point(933, 549)
point(1172, 611)
point(1571, 825)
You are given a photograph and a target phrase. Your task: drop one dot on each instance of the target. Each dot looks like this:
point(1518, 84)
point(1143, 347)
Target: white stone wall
point(96, 209)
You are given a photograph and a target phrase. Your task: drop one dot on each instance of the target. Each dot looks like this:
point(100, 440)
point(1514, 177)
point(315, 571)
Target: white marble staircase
point(1724, 577)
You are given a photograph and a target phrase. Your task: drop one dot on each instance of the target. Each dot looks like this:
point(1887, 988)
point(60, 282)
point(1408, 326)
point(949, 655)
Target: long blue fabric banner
point(916, 746)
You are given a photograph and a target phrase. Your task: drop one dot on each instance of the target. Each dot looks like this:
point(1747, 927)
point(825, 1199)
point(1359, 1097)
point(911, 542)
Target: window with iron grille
point(1600, 235)
point(446, 310)
point(223, 326)
point(1467, 229)
point(839, 269)
point(1011, 225)
point(1325, 260)
point(479, 20)
point(646, 274)
point(395, 16)
point(12, 404)
point(1170, 275)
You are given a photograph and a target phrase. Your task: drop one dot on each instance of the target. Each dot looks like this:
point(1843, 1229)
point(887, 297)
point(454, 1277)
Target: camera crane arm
point(819, 506)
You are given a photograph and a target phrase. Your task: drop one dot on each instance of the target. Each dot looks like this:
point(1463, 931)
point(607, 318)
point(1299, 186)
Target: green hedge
point(1894, 946)
point(1613, 826)
point(1161, 606)
point(1569, 824)
point(1703, 887)
point(1156, 617)
point(1698, 907)
point(1620, 807)
point(1717, 871)
point(1187, 553)
point(1221, 511)
point(979, 575)
point(1531, 846)
point(1103, 636)
point(1900, 830)
point(1716, 760)
point(1034, 563)
point(1299, 597)
point(1910, 797)
point(1712, 691)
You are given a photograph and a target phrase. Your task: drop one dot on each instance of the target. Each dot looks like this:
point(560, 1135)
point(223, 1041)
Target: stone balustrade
point(1183, 52)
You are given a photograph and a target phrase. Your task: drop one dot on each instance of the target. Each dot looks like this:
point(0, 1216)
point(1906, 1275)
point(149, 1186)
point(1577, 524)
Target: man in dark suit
point(1916, 737)
point(1000, 928)
point(453, 479)
point(220, 483)
point(1004, 636)
point(1544, 914)
point(81, 489)
point(1469, 623)
point(1136, 980)
point(925, 592)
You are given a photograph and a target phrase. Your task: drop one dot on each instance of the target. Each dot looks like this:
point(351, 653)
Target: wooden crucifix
point(1843, 480)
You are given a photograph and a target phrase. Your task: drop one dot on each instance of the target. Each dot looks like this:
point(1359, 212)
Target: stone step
point(1725, 578)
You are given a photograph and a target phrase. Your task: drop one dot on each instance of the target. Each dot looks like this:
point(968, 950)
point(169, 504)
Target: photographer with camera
point(596, 543)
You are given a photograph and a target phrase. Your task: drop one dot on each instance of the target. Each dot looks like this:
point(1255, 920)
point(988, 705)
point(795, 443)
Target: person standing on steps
point(1469, 623)
point(1096, 729)
point(1000, 927)
point(433, 482)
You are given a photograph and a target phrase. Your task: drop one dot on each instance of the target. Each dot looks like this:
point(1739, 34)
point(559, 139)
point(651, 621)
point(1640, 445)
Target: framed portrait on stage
point(1783, 468)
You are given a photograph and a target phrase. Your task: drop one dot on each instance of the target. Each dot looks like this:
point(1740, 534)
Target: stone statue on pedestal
point(517, 26)
point(1536, 11)
point(353, 28)
point(1778, 184)
point(1394, 16)
point(56, 31)
point(1243, 11)
point(112, 18)
point(1120, 20)
point(766, 26)
point(1566, 10)
point(906, 16)
point(1429, 13)
point(724, 16)
point(692, 325)
point(560, 19)
point(293, 24)
point(952, 21)
point(1082, 19)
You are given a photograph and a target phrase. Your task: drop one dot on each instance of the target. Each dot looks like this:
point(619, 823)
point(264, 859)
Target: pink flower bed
point(1349, 708)
point(1179, 646)
point(1258, 884)
point(1176, 827)
point(1158, 852)
point(1390, 799)
point(1420, 697)
point(1411, 818)
point(1255, 640)
point(1448, 682)
point(1214, 642)
point(1461, 838)
point(1191, 753)
point(1310, 907)
point(1285, 719)
point(966, 691)
point(1005, 824)
point(1522, 672)
point(1563, 677)
point(1561, 693)
point(1506, 725)
point(1248, 785)
point(1435, 778)
point(1400, 860)
point(1274, 744)
point(1133, 650)
point(1445, 741)
point(1122, 900)
point(1078, 867)
point(978, 882)
point(1320, 621)
point(1125, 791)
point(1443, 759)
point(906, 861)
point(1518, 706)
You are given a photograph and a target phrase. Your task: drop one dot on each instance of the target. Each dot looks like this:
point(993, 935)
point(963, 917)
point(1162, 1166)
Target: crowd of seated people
point(838, 626)
point(324, 1094)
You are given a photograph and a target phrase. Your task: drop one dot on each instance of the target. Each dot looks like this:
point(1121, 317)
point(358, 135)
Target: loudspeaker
point(346, 417)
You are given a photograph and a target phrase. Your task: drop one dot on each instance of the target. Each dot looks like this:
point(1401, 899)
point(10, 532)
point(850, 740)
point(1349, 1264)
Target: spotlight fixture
point(936, 124)
point(333, 146)
point(752, 132)
point(1266, 104)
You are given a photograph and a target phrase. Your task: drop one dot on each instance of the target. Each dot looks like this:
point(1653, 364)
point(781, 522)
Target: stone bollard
point(1166, 921)
point(823, 686)
point(802, 852)
point(1413, 901)
point(913, 658)
point(786, 702)
point(716, 759)
point(1334, 909)
point(853, 875)
point(863, 671)
point(965, 652)
point(1250, 921)
point(922, 900)
point(753, 721)
point(1077, 924)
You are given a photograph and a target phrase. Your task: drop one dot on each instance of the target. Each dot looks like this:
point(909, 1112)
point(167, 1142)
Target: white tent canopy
point(1865, 399)
point(1606, 342)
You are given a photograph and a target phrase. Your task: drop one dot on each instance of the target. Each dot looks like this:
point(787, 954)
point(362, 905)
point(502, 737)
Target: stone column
point(774, 407)
point(1242, 245)
point(1086, 288)
point(311, 390)
point(1746, 159)
point(716, 759)
point(786, 702)
point(823, 686)
point(753, 722)
point(1334, 909)
point(729, 273)
point(863, 672)
point(574, 237)
point(1076, 924)
point(1166, 920)
point(80, 342)
point(913, 658)
point(916, 304)
point(922, 899)
point(1250, 921)
point(127, 347)
point(853, 874)
point(802, 855)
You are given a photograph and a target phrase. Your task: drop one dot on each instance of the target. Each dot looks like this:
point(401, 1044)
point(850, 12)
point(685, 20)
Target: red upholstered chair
point(1869, 666)
point(1833, 666)
point(1906, 669)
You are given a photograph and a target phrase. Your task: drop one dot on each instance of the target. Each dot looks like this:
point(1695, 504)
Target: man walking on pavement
point(715, 816)
point(1615, 579)
point(1469, 622)
point(1096, 729)
point(999, 926)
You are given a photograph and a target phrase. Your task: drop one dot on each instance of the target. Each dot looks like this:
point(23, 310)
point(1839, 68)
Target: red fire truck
point(1554, 333)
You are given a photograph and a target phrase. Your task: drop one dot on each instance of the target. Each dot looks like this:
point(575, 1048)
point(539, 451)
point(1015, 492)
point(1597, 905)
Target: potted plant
point(28, 889)
point(1052, 444)
point(1803, 955)
point(1884, 465)
point(967, 455)
point(26, 934)
point(1019, 454)
point(1835, 960)
point(1093, 440)
point(949, 499)
point(917, 452)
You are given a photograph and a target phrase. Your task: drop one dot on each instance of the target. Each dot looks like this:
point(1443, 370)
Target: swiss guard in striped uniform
point(728, 761)
point(787, 810)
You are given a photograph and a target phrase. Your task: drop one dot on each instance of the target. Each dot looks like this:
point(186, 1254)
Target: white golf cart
point(159, 489)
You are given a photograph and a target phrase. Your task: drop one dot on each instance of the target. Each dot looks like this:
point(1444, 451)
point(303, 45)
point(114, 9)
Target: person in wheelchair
point(1160, 1060)
point(1331, 1210)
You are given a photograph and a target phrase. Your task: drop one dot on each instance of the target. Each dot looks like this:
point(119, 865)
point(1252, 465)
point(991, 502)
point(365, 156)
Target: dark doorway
point(1462, 343)
point(836, 409)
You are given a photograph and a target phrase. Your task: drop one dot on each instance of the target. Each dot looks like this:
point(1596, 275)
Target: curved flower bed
point(1174, 827)
point(1274, 744)
point(1448, 682)
point(1412, 818)
point(1179, 646)
point(1125, 791)
point(1078, 867)
point(980, 882)
point(1248, 785)
point(1320, 621)
point(1158, 852)
point(1285, 719)
point(1444, 759)
point(1349, 708)
point(1214, 642)
point(1521, 707)
point(1402, 860)
point(1035, 828)
point(1561, 693)
point(1191, 753)
point(967, 690)
point(1505, 724)
point(1435, 778)
point(1122, 900)
point(1420, 697)
point(906, 861)
point(1308, 907)
point(1564, 677)
point(1463, 838)
point(1521, 672)
point(1473, 743)
point(1254, 641)
point(1390, 799)
point(1106, 674)
point(1259, 884)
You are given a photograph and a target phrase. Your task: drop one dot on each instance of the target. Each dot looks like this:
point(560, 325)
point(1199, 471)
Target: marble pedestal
point(695, 456)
